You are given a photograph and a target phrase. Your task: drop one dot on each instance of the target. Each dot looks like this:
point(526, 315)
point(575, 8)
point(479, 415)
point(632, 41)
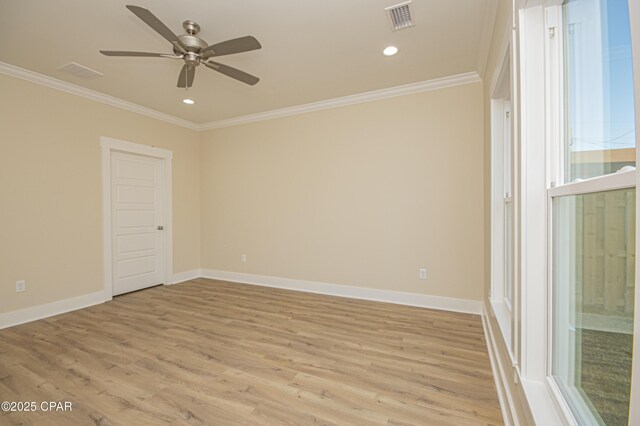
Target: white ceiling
point(312, 50)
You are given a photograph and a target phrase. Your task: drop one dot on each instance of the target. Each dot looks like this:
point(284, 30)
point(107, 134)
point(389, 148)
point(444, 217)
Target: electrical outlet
point(21, 286)
point(243, 258)
point(423, 273)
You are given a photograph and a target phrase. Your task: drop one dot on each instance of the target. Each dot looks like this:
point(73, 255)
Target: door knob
point(160, 228)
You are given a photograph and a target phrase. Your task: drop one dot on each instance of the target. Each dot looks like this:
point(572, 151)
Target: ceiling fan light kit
point(193, 50)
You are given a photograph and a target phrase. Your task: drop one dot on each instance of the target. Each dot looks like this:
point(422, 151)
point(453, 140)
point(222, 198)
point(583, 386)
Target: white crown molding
point(387, 296)
point(407, 89)
point(63, 86)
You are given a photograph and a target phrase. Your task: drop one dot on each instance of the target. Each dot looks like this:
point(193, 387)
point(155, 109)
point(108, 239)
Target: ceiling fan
point(193, 50)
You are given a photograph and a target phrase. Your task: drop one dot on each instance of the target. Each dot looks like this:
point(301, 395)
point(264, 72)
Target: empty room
point(357, 212)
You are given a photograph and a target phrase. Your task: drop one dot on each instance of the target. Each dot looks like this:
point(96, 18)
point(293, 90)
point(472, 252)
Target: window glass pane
point(600, 127)
point(594, 282)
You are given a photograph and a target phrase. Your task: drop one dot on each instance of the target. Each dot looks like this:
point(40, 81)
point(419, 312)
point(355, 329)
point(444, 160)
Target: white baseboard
point(388, 296)
point(181, 277)
point(514, 402)
point(21, 316)
point(505, 406)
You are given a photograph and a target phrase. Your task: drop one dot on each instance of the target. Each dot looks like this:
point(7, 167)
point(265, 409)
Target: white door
point(137, 222)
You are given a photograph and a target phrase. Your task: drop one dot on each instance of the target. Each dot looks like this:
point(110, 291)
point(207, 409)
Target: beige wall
point(361, 195)
point(51, 193)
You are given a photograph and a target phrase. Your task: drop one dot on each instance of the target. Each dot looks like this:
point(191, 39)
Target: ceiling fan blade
point(229, 47)
point(151, 20)
point(145, 54)
point(232, 72)
point(186, 76)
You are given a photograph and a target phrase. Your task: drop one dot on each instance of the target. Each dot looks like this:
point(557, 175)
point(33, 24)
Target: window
point(503, 205)
point(594, 276)
point(593, 213)
point(575, 208)
point(600, 130)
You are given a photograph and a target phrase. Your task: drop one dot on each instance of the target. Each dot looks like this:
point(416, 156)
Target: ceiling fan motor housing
point(192, 43)
point(191, 59)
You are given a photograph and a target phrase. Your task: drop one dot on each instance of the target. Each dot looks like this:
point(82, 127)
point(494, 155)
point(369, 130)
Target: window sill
point(543, 405)
point(503, 316)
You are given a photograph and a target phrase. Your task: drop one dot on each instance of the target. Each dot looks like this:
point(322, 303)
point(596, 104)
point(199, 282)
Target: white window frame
point(540, 167)
point(508, 203)
point(555, 113)
point(503, 308)
point(534, 181)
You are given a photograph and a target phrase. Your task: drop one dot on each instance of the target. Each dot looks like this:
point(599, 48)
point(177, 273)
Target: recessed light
point(390, 51)
point(188, 101)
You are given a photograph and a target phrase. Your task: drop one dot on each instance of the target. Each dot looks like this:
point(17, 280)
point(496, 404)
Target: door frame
point(109, 146)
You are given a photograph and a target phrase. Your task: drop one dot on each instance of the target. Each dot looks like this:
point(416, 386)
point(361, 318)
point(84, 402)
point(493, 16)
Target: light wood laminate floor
point(210, 352)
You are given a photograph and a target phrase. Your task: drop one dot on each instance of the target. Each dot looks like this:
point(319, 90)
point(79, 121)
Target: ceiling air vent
point(80, 71)
point(400, 16)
